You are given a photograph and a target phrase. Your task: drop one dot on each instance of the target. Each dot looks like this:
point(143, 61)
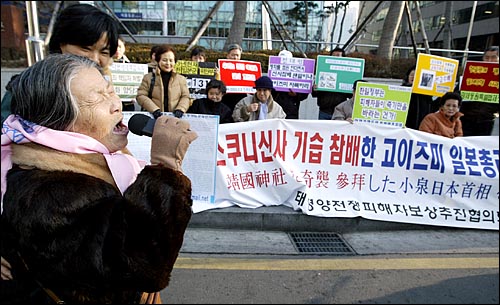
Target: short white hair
point(285, 53)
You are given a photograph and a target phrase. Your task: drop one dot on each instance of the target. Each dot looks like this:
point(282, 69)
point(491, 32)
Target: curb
point(282, 218)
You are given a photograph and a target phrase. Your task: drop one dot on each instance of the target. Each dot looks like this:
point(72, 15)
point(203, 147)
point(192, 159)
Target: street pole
point(34, 45)
point(422, 28)
point(471, 23)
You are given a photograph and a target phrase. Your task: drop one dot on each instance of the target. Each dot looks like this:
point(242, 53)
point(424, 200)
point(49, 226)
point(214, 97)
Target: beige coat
point(241, 114)
point(178, 93)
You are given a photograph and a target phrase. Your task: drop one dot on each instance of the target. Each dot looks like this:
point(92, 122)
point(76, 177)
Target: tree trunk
point(342, 21)
point(336, 11)
point(390, 29)
point(307, 21)
point(238, 24)
point(448, 13)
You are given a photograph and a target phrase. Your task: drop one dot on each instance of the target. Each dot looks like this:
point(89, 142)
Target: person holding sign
point(198, 54)
point(169, 90)
point(231, 99)
point(446, 121)
point(343, 111)
point(326, 100)
point(420, 104)
point(212, 103)
point(289, 101)
point(479, 117)
point(260, 106)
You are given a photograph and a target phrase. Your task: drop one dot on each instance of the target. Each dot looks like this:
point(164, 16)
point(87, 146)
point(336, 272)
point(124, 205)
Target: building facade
point(176, 22)
point(484, 31)
point(145, 20)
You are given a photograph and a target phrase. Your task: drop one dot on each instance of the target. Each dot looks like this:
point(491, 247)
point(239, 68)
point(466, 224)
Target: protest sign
point(480, 82)
point(126, 79)
point(434, 75)
point(200, 158)
point(291, 73)
point(197, 74)
point(239, 76)
point(381, 104)
point(337, 74)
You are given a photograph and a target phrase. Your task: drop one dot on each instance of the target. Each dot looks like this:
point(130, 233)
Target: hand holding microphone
point(171, 138)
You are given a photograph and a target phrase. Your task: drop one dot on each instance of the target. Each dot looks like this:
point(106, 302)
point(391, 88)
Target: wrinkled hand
point(6, 274)
point(170, 141)
point(253, 107)
point(178, 113)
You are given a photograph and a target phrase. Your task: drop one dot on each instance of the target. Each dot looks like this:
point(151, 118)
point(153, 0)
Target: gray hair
point(41, 94)
point(491, 49)
point(234, 46)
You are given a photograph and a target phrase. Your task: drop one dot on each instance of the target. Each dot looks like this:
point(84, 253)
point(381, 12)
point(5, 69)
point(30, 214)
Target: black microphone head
point(137, 122)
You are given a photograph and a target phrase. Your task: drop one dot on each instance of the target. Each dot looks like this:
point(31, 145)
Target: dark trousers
point(476, 127)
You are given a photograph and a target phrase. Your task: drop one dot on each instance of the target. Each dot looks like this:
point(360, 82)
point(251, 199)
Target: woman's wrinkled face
point(450, 107)
point(167, 61)
point(98, 52)
point(100, 108)
point(263, 94)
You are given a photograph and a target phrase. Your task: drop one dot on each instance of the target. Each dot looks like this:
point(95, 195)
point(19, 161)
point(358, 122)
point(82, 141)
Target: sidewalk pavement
point(283, 218)
point(265, 231)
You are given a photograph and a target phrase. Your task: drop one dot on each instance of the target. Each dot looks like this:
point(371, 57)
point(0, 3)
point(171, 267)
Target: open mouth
point(120, 129)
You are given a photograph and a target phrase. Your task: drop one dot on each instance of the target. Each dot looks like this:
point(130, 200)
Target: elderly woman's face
point(234, 54)
point(100, 110)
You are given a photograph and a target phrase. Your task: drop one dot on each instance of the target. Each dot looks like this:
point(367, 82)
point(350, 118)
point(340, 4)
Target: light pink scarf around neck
point(124, 168)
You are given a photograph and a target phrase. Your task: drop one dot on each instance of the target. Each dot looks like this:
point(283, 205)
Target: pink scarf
point(124, 168)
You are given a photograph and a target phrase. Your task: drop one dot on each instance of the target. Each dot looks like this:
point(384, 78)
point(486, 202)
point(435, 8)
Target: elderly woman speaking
point(82, 220)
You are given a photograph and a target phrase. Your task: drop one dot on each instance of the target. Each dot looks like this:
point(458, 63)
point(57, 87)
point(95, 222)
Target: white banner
point(338, 169)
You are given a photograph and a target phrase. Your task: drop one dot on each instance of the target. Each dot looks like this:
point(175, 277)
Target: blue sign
point(129, 15)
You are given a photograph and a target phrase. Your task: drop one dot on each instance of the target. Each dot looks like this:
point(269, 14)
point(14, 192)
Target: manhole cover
point(320, 243)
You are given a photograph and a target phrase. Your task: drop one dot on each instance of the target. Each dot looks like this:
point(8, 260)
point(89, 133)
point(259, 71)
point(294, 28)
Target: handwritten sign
point(337, 74)
point(291, 73)
point(126, 78)
point(198, 75)
point(434, 75)
point(480, 82)
point(239, 76)
point(381, 104)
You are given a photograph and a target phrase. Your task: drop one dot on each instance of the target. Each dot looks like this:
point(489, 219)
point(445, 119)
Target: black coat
point(84, 240)
point(207, 106)
point(420, 106)
point(289, 103)
point(327, 101)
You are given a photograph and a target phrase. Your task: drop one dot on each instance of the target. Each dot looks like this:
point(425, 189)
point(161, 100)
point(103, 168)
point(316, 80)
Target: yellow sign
point(435, 75)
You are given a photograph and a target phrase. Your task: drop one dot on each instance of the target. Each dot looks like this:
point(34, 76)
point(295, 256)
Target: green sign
point(337, 74)
point(381, 104)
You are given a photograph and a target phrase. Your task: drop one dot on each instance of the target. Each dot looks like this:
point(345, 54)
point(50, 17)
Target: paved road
point(441, 266)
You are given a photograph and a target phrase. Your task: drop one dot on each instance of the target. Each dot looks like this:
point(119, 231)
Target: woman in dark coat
point(82, 220)
point(420, 104)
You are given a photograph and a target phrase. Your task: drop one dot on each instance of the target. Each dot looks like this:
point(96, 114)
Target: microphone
point(141, 125)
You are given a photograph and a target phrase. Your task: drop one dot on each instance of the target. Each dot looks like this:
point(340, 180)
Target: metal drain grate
point(320, 243)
